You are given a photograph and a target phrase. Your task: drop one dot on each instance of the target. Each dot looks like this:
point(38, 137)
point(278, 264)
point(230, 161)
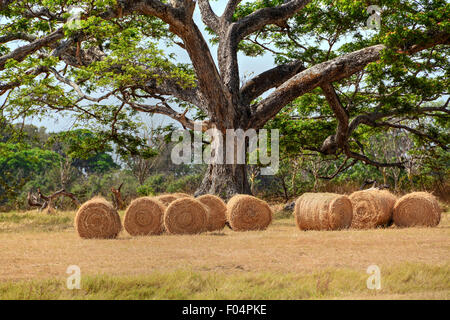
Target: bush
point(162, 183)
point(185, 184)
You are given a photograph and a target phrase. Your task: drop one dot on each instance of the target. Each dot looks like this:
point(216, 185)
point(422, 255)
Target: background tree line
point(87, 165)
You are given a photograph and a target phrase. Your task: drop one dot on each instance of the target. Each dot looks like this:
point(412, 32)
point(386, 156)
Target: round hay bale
point(323, 211)
point(246, 213)
point(372, 208)
point(217, 212)
point(181, 195)
point(185, 216)
point(417, 209)
point(97, 219)
point(144, 216)
point(166, 199)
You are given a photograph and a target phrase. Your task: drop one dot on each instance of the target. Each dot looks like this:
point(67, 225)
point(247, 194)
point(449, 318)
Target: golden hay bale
point(185, 216)
point(97, 219)
point(372, 208)
point(417, 209)
point(247, 213)
point(217, 212)
point(181, 195)
point(144, 216)
point(166, 199)
point(323, 211)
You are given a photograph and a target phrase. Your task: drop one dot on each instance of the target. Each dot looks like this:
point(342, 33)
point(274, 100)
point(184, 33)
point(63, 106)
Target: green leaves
point(120, 61)
point(399, 85)
point(18, 164)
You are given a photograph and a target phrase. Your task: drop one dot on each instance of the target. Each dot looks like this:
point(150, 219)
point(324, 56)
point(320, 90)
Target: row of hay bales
point(182, 214)
point(177, 213)
point(365, 209)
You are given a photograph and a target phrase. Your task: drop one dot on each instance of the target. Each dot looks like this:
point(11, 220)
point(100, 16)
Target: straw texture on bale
point(246, 213)
point(217, 212)
point(372, 208)
point(323, 211)
point(185, 216)
point(144, 216)
point(97, 219)
point(166, 199)
point(182, 195)
point(417, 209)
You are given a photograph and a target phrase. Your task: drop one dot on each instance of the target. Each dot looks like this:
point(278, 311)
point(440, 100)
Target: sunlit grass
point(301, 265)
point(405, 280)
point(35, 221)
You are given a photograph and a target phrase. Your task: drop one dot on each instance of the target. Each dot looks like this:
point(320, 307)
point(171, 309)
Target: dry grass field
point(279, 263)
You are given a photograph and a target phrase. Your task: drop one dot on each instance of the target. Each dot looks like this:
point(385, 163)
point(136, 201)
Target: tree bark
point(46, 202)
point(217, 91)
point(223, 178)
point(119, 204)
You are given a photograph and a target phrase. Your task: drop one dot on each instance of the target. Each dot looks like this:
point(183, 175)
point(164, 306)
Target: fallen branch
point(45, 202)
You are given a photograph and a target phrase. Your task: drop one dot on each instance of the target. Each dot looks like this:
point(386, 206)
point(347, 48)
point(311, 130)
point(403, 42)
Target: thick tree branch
point(340, 138)
point(17, 36)
point(330, 71)
point(367, 119)
point(66, 52)
point(21, 53)
point(179, 17)
point(220, 108)
point(230, 9)
point(42, 12)
point(270, 79)
point(436, 38)
point(374, 163)
point(175, 16)
point(265, 16)
point(326, 72)
point(233, 33)
point(209, 18)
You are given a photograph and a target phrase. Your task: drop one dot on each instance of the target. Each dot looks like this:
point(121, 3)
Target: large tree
point(110, 66)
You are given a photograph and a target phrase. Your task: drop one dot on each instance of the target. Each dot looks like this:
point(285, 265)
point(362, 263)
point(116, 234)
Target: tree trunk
point(221, 178)
point(285, 191)
point(225, 180)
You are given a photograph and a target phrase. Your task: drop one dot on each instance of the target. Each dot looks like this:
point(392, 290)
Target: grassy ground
point(406, 281)
point(279, 263)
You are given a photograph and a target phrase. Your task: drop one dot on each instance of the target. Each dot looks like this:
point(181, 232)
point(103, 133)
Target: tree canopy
point(334, 81)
